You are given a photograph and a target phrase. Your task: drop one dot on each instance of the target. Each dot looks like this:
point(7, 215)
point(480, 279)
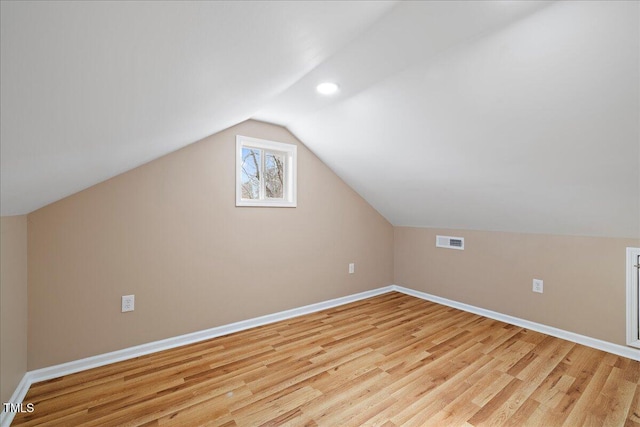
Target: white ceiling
point(92, 89)
point(494, 115)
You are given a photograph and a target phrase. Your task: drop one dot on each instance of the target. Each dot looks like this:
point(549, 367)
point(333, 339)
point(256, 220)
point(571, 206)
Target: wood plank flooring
point(391, 360)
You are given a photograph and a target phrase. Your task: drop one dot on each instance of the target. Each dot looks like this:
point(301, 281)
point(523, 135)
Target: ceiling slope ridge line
point(506, 231)
point(274, 97)
point(407, 66)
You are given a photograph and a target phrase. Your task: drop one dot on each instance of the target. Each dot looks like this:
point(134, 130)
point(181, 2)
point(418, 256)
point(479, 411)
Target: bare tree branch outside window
point(253, 171)
point(265, 173)
point(251, 160)
point(273, 175)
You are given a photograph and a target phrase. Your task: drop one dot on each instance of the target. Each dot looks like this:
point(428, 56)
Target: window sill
point(266, 204)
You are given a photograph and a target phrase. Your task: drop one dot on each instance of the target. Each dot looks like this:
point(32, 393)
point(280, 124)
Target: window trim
point(290, 152)
point(633, 306)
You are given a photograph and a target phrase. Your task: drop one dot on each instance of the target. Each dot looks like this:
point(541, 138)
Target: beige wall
point(13, 303)
point(170, 233)
point(584, 277)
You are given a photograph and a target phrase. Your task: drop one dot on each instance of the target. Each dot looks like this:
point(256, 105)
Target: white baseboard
point(56, 371)
point(609, 347)
point(17, 397)
point(141, 350)
point(180, 340)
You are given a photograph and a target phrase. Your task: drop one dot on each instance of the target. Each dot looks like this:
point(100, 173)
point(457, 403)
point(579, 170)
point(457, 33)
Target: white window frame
point(290, 152)
point(633, 303)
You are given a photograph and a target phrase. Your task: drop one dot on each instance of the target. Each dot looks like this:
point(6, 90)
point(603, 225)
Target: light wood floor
point(392, 360)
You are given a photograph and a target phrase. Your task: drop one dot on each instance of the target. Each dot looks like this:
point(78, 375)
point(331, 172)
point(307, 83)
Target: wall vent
point(450, 242)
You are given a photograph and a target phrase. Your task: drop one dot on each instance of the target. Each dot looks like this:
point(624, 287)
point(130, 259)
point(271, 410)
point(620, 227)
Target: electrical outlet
point(128, 303)
point(352, 268)
point(538, 285)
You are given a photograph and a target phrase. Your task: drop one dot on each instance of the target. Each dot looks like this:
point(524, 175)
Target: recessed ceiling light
point(327, 88)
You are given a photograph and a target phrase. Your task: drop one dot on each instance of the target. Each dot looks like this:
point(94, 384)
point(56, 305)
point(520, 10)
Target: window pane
point(251, 173)
point(274, 175)
point(265, 173)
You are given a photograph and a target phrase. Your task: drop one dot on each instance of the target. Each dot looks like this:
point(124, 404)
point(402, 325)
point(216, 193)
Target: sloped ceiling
point(493, 115)
point(92, 89)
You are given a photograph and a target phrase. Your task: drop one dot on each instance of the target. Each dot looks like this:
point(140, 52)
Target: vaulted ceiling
point(491, 115)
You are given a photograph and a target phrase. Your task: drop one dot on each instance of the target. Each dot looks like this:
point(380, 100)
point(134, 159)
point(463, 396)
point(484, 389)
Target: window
point(265, 173)
point(633, 297)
